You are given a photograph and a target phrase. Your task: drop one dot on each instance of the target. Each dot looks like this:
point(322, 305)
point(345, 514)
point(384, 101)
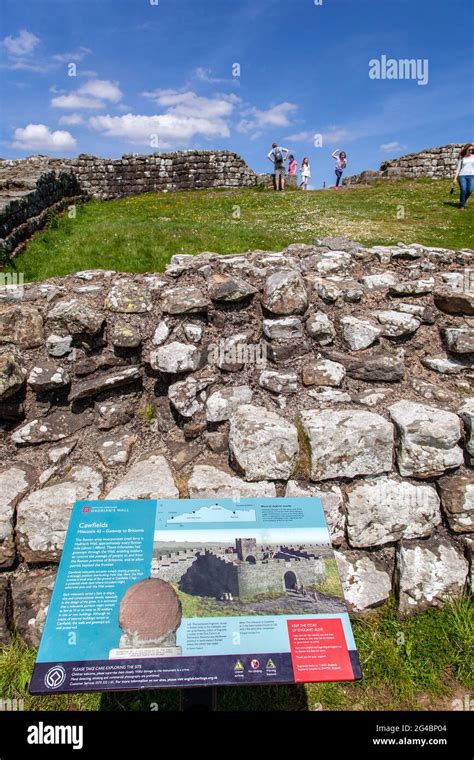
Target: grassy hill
point(141, 233)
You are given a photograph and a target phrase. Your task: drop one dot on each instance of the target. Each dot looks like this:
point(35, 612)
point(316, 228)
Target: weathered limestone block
point(395, 323)
point(263, 445)
point(384, 510)
point(278, 382)
point(442, 365)
point(457, 499)
point(15, 481)
point(21, 325)
point(380, 280)
point(283, 329)
point(458, 340)
point(412, 287)
point(31, 593)
point(74, 317)
point(343, 444)
point(113, 413)
point(285, 293)
point(104, 381)
point(224, 287)
point(149, 478)
point(12, 375)
point(430, 572)
point(222, 402)
point(366, 580)
point(331, 497)
point(43, 516)
point(455, 301)
point(115, 448)
point(128, 298)
point(161, 333)
point(323, 372)
point(321, 329)
point(185, 300)
point(188, 396)
point(59, 345)
point(124, 336)
point(380, 368)
point(47, 376)
point(428, 439)
point(358, 333)
point(208, 482)
point(56, 426)
point(176, 357)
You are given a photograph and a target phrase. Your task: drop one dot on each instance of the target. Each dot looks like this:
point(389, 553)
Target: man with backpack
point(278, 156)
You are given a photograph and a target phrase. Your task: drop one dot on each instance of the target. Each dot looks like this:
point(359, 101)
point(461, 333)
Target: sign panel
point(197, 592)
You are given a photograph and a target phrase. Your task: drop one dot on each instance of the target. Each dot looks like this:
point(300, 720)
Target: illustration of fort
point(244, 570)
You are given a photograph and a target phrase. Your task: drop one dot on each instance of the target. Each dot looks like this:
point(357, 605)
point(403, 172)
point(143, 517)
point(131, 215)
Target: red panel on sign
point(319, 650)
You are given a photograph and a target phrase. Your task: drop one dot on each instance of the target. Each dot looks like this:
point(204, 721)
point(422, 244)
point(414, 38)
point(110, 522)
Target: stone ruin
point(437, 163)
point(329, 369)
point(33, 189)
point(244, 570)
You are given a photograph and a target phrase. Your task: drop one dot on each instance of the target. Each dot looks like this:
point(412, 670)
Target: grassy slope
point(141, 233)
point(421, 663)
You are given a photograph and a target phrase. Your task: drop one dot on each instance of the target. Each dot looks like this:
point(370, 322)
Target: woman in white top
point(465, 174)
point(305, 172)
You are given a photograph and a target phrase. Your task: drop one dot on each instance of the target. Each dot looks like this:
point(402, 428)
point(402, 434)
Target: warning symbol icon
point(271, 665)
point(238, 666)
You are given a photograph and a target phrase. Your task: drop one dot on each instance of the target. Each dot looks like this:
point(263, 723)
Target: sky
point(110, 77)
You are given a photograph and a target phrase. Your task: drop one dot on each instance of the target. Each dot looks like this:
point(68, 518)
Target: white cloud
point(72, 119)
point(22, 45)
point(391, 147)
point(189, 104)
point(76, 55)
point(307, 136)
point(76, 101)
point(256, 120)
point(168, 129)
point(91, 94)
point(40, 137)
point(101, 89)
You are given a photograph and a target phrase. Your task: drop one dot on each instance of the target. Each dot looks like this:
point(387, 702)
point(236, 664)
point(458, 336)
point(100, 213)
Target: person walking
point(278, 156)
point(305, 172)
point(465, 174)
point(341, 163)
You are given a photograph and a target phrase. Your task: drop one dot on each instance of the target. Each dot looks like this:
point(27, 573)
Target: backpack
point(278, 156)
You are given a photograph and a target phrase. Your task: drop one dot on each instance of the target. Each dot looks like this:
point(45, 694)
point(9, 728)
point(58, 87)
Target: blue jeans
point(466, 184)
point(338, 175)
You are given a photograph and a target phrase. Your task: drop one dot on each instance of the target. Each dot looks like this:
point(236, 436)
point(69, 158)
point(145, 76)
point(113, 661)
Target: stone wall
point(33, 188)
point(436, 163)
point(330, 370)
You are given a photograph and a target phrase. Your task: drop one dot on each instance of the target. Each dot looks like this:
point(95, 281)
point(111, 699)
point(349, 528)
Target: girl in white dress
point(305, 173)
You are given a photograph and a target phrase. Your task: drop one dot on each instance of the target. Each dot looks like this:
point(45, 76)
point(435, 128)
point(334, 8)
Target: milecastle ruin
point(145, 386)
point(35, 188)
point(243, 570)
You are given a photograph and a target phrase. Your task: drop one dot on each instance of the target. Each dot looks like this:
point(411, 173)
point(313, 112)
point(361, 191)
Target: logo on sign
point(254, 664)
point(86, 509)
point(55, 677)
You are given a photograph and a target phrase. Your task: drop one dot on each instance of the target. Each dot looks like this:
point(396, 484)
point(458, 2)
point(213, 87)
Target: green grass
point(141, 233)
point(421, 663)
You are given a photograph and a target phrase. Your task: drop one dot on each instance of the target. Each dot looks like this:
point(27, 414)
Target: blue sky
point(160, 77)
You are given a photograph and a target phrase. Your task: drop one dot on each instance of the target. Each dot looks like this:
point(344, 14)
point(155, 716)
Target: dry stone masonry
point(327, 370)
point(34, 188)
point(437, 163)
